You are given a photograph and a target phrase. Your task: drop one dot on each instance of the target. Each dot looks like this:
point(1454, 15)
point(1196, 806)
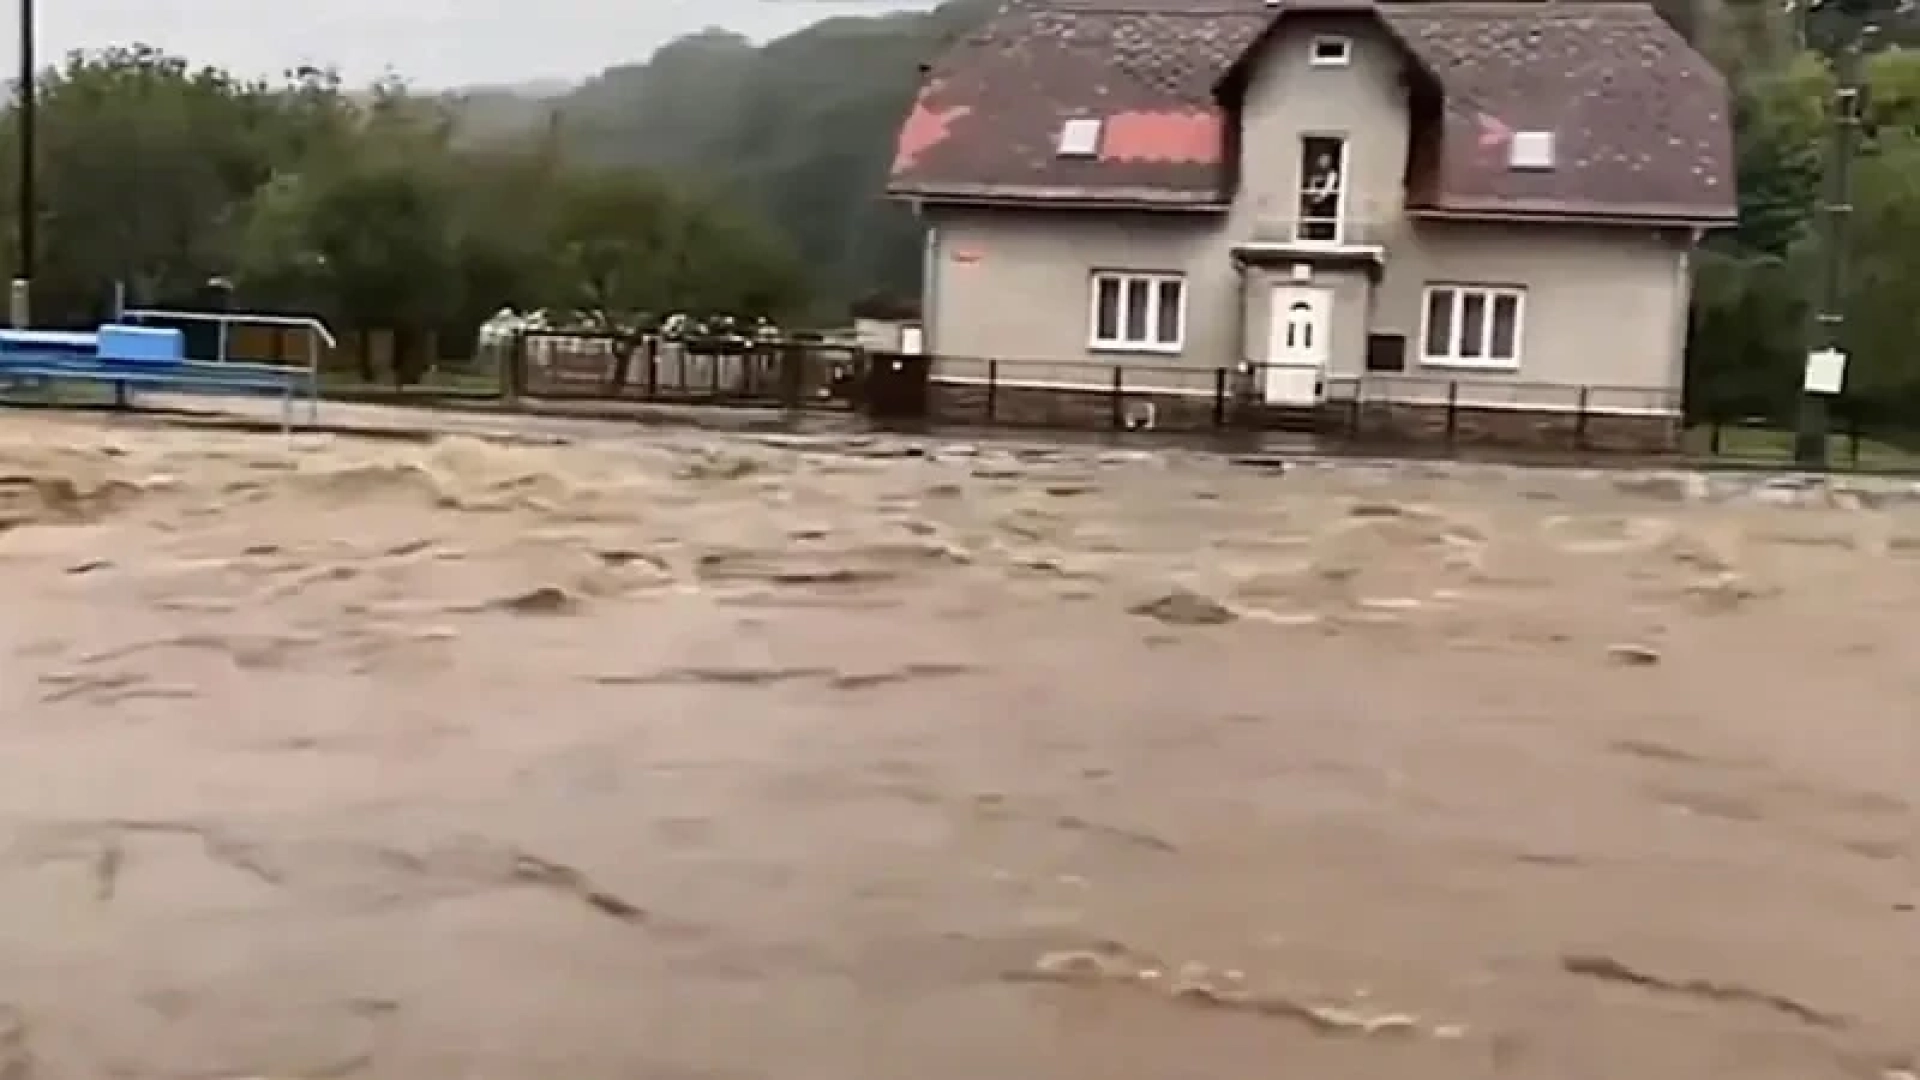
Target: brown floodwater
point(680, 757)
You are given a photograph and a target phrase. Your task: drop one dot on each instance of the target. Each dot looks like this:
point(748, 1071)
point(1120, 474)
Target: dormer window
point(1332, 52)
point(1080, 137)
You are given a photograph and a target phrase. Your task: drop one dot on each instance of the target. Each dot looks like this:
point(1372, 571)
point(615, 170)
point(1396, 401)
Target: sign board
point(1826, 371)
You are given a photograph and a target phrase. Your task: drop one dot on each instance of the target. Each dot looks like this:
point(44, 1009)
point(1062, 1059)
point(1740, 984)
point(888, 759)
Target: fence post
point(791, 357)
point(1219, 398)
point(1453, 411)
point(513, 376)
point(993, 390)
point(1580, 420)
point(1116, 405)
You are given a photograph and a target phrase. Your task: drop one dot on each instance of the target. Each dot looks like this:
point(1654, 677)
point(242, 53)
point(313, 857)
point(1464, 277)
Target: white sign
point(1826, 371)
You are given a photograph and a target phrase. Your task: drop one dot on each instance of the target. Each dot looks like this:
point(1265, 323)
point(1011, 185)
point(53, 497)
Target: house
point(1463, 213)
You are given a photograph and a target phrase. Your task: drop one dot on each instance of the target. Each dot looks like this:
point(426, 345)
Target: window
point(1472, 326)
point(1323, 190)
point(1299, 324)
point(1080, 137)
point(1331, 52)
point(1139, 312)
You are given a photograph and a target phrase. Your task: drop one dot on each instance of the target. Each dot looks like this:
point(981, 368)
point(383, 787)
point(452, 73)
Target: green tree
point(630, 248)
point(194, 139)
point(799, 131)
point(629, 244)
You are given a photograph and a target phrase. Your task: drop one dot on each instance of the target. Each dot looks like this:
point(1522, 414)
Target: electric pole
point(20, 302)
point(1826, 359)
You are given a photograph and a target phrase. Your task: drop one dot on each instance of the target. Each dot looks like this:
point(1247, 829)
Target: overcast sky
point(437, 43)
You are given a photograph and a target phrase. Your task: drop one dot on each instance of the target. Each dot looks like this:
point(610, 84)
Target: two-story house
point(1439, 205)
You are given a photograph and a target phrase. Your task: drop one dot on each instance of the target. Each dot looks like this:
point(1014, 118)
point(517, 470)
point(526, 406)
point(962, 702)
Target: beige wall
point(1605, 305)
point(1015, 286)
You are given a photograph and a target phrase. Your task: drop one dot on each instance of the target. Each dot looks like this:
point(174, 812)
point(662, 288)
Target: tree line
point(1755, 286)
point(721, 177)
point(165, 179)
point(801, 128)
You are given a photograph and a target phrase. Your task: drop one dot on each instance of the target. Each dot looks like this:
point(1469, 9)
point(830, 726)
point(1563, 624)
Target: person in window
point(1320, 198)
point(1323, 177)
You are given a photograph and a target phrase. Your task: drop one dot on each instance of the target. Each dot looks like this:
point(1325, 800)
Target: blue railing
point(319, 336)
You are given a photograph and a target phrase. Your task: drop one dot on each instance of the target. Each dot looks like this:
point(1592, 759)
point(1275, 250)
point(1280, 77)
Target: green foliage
point(1754, 286)
point(801, 130)
point(358, 205)
point(721, 176)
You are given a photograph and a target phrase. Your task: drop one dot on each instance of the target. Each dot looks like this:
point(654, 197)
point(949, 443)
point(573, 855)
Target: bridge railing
point(320, 335)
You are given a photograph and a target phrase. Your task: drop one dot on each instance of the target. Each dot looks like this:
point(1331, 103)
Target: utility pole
point(1826, 360)
point(20, 301)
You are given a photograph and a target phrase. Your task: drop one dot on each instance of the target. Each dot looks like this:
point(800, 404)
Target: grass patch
point(1775, 446)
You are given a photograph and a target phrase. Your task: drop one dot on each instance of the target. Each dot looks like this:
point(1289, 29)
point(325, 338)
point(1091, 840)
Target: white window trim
point(1344, 45)
point(1482, 362)
point(1339, 196)
point(1157, 281)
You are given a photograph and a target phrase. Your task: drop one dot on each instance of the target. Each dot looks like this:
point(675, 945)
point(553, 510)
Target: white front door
point(1296, 345)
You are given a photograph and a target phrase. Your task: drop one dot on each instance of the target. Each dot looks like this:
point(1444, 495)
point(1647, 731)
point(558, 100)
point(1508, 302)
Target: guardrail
point(225, 320)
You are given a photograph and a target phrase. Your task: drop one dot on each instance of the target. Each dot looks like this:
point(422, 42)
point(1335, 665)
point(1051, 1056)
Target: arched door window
point(1300, 327)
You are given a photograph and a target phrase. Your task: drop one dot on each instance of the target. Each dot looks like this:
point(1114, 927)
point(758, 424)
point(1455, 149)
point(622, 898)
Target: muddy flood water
point(679, 757)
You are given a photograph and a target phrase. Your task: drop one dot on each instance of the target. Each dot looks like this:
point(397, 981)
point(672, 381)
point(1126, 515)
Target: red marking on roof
point(926, 127)
point(1493, 132)
point(1186, 136)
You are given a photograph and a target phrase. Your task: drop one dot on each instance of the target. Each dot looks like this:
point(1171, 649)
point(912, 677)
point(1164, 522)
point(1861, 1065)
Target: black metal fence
point(611, 366)
point(1426, 414)
point(1864, 430)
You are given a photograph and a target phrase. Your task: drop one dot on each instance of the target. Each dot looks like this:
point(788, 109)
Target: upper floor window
point(1139, 312)
point(1332, 52)
point(1323, 190)
point(1472, 326)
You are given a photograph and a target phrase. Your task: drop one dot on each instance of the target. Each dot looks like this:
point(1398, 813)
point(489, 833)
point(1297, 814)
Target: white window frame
point(1339, 194)
point(1120, 343)
point(1341, 53)
point(1486, 361)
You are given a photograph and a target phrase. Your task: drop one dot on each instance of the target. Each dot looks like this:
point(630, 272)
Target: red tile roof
point(1172, 136)
point(1641, 121)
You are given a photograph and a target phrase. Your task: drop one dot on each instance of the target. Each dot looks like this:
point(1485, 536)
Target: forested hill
point(800, 128)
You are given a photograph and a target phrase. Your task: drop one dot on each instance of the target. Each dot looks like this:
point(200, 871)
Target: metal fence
point(616, 367)
point(1374, 412)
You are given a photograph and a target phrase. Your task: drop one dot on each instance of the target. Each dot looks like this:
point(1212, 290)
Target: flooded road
point(686, 758)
